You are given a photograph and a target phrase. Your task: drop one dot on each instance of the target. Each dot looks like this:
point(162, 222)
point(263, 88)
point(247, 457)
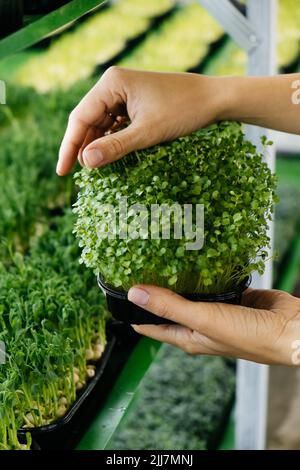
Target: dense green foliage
point(287, 214)
point(32, 128)
point(215, 167)
point(52, 315)
point(180, 404)
point(50, 329)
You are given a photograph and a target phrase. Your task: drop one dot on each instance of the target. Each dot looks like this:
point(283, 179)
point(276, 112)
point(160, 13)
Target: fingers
point(171, 334)
point(216, 328)
point(93, 134)
point(165, 304)
point(112, 147)
point(84, 116)
point(223, 323)
point(93, 110)
point(189, 341)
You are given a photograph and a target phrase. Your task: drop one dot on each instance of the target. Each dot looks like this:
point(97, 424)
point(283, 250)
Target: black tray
point(65, 433)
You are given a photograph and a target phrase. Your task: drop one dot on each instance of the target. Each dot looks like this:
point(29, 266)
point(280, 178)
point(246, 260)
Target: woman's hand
point(266, 328)
point(159, 106)
point(164, 106)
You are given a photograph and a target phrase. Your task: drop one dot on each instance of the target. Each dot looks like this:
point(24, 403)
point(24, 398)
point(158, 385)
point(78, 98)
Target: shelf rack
point(255, 33)
point(46, 26)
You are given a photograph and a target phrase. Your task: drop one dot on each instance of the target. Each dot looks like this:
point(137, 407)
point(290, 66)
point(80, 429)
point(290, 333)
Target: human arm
point(164, 106)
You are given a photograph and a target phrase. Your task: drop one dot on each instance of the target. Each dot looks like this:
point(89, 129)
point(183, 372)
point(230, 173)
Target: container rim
point(222, 296)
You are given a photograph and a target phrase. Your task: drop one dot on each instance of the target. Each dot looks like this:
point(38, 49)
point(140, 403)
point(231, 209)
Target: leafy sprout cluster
point(216, 167)
point(29, 145)
point(52, 315)
point(53, 334)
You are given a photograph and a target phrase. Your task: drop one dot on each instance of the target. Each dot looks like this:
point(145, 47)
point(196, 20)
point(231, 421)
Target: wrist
point(228, 98)
point(220, 94)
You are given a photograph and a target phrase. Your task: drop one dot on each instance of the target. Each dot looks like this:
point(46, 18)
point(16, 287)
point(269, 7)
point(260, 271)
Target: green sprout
point(216, 167)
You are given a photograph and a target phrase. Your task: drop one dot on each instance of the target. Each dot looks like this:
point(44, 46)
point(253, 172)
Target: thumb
point(216, 320)
point(165, 304)
point(112, 147)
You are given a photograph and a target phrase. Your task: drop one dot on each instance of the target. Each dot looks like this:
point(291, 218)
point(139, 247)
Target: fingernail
point(138, 296)
point(93, 158)
point(58, 168)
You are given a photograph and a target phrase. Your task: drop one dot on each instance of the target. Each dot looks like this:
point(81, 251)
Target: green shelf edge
point(290, 276)
point(288, 172)
point(48, 24)
point(119, 400)
point(227, 442)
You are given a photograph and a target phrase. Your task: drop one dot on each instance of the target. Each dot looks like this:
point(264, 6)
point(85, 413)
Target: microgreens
point(215, 167)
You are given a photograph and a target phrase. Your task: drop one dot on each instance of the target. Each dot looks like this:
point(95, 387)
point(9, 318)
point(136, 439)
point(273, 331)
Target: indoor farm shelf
point(96, 41)
point(179, 44)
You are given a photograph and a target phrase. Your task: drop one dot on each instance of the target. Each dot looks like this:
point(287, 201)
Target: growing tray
point(66, 432)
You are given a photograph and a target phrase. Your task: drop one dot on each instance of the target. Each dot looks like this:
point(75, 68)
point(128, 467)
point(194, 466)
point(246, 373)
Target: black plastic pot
point(11, 16)
point(125, 311)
